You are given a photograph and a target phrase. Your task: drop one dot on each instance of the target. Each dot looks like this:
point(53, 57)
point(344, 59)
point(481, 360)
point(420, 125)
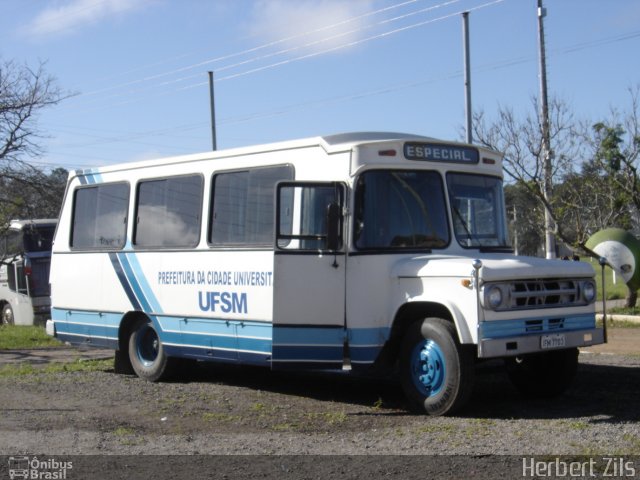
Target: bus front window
point(477, 204)
point(400, 210)
point(38, 239)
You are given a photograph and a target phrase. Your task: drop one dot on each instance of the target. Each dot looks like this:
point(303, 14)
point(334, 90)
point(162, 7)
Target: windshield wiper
point(470, 236)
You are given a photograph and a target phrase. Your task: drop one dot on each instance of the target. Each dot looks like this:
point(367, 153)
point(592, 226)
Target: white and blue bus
point(25, 258)
point(363, 252)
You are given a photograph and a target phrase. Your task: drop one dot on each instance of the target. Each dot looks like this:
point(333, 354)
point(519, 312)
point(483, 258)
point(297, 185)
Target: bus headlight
point(493, 297)
point(589, 291)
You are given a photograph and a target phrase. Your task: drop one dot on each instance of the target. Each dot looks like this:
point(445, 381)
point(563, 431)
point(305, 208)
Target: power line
point(128, 137)
point(306, 56)
point(348, 44)
point(265, 56)
point(251, 50)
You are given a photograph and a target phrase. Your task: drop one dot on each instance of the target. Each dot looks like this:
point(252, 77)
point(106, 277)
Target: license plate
point(552, 341)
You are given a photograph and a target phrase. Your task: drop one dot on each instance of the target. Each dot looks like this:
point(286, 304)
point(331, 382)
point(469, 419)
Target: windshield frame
point(472, 238)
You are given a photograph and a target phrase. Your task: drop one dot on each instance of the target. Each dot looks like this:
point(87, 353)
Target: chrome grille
point(543, 293)
point(535, 294)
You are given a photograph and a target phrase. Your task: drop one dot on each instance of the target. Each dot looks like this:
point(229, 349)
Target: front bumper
point(514, 346)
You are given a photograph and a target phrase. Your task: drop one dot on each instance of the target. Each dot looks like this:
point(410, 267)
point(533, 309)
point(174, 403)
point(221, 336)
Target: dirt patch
point(621, 341)
point(220, 410)
point(42, 356)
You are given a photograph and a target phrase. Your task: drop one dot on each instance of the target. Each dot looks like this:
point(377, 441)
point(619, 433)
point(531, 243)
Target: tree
point(616, 152)
point(526, 219)
point(596, 170)
point(521, 140)
point(616, 146)
point(24, 93)
point(34, 194)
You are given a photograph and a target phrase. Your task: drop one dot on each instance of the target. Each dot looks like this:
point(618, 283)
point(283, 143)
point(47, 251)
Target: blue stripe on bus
point(138, 275)
point(89, 176)
point(537, 325)
point(306, 353)
point(136, 286)
point(92, 328)
point(82, 178)
point(233, 340)
point(365, 344)
point(300, 346)
point(115, 262)
point(312, 335)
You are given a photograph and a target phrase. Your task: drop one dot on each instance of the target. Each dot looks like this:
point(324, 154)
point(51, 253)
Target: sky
point(135, 71)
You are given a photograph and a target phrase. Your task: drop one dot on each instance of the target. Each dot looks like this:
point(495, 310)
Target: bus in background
point(361, 252)
point(25, 260)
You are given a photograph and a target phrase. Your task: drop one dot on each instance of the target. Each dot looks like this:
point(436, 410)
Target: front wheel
point(436, 371)
point(543, 375)
point(146, 352)
point(7, 315)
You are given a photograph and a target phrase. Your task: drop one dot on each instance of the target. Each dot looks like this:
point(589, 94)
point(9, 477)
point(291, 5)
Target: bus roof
point(335, 143)
point(44, 222)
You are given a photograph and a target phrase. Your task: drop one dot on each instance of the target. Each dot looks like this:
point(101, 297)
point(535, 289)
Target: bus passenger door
point(309, 325)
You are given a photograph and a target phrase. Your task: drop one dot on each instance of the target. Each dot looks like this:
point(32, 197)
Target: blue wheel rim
point(428, 368)
point(147, 345)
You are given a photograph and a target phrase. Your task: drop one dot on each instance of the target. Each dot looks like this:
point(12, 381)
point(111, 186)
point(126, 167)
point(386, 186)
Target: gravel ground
point(249, 411)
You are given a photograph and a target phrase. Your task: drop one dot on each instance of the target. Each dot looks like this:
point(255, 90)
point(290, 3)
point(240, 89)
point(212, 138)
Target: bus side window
point(11, 277)
point(309, 215)
point(13, 245)
point(100, 216)
point(168, 212)
point(242, 206)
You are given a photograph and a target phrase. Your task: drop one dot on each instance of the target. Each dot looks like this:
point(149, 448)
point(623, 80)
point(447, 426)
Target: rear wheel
point(543, 375)
point(436, 371)
point(7, 315)
point(146, 352)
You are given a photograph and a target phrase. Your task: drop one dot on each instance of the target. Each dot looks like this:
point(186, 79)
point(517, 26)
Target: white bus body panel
point(266, 306)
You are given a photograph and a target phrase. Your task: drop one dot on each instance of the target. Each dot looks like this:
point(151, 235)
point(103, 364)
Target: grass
point(220, 417)
point(24, 369)
point(123, 431)
point(575, 424)
point(625, 310)
point(17, 336)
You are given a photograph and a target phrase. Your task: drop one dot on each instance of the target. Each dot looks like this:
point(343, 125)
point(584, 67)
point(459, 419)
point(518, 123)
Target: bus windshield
point(400, 209)
point(477, 205)
point(38, 239)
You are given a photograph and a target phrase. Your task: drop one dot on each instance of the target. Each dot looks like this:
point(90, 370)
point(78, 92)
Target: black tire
point(543, 375)
point(436, 371)
point(122, 363)
point(7, 315)
point(146, 353)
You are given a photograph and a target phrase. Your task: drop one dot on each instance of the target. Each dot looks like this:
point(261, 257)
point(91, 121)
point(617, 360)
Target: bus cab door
point(309, 323)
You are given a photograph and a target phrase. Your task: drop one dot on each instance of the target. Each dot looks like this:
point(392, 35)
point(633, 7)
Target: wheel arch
point(126, 325)
point(411, 312)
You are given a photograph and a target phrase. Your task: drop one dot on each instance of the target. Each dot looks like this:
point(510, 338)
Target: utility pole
point(549, 226)
point(213, 113)
point(467, 76)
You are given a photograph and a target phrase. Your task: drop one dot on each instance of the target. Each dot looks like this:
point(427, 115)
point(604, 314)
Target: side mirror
point(334, 219)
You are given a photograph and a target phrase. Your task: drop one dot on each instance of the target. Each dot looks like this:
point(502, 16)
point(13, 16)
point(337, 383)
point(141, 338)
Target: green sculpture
point(622, 252)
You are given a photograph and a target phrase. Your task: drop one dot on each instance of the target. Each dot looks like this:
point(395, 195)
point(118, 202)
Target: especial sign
point(434, 152)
